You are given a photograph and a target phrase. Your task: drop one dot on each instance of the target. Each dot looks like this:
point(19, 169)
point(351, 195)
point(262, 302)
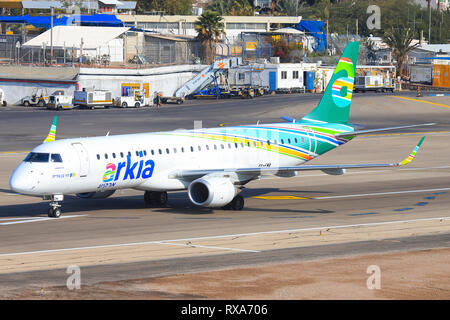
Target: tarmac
point(319, 224)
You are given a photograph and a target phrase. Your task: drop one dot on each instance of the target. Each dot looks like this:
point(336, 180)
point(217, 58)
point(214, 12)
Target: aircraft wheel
point(237, 203)
point(155, 199)
point(54, 212)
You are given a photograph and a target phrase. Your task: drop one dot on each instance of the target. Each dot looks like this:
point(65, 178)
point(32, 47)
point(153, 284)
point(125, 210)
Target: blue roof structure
point(101, 20)
point(317, 30)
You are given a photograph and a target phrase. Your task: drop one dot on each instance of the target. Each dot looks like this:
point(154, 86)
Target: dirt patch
point(406, 275)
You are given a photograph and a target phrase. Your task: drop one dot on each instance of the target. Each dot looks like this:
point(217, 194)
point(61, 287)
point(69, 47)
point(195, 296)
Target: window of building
point(241, 76)
point(294, 74)
point(283, 74)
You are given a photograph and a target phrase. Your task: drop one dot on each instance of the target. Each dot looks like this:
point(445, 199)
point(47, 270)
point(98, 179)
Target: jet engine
point(95, 195)
point(211, 191)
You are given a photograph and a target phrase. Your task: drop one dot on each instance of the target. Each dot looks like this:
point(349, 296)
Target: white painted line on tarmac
point(33, 219)
point(380, 193)
point(222, 236)
point(206, 247)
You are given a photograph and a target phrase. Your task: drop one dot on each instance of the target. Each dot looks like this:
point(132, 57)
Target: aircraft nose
point(19, 182)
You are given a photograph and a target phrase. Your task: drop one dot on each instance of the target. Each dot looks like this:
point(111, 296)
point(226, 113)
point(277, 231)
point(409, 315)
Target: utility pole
point(52, 10)
point(429, 25)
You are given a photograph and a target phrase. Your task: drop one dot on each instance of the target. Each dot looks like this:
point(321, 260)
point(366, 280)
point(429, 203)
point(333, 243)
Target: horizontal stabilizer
point(359, 132)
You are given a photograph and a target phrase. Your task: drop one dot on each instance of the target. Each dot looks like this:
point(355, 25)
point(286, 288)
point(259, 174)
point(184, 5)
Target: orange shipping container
point(441, 75)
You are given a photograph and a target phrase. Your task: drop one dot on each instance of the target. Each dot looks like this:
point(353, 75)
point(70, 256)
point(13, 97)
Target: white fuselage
point(146, 161)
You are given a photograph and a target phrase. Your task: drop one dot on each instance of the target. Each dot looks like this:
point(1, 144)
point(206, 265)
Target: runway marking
point(33, 219)
point(355, 195)
point(362, 214)
point(224, 236)
point(417, 100)
point(207, 247)
point(280, 198)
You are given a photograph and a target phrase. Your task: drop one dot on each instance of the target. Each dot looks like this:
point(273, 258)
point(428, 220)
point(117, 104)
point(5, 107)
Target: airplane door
point(83, 158)
point(312, 140)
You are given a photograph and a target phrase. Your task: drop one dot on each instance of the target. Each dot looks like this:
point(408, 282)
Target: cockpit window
point(37, 157)
point(56, 157)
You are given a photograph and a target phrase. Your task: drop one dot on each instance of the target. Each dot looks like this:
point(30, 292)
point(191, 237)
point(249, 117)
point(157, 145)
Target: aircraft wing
point(330, 169)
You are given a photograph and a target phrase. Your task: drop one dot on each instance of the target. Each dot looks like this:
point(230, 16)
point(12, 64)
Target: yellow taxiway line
point(429, 102)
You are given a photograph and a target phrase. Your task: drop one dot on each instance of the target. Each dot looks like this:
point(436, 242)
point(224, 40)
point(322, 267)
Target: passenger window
point(145, 152)
point(55, 157)
point(174, 150)
point(114, 155)
point(106, 156)
point(182, 149)
point(303, 139)
point(153, 152)
point(229, 146)
point(215, 147)
point(235, 145)
point(121, 154)
point(207, 147)
point(223, 147)
point(296, 140)
point(98, 157)
point(268, 142)
point(289, 141)
point(192, 149)
point(242, 144)
point(167, 150)
point(199, 148)
point(129, 154)
point(137, 153)
point(282, 141)
point(159, 150)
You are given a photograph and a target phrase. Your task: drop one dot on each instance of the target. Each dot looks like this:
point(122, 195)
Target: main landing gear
point(236, 204)
point(155, 199)
point(55, 208)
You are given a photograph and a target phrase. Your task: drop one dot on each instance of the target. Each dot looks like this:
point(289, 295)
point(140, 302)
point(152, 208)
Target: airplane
point(213, 164)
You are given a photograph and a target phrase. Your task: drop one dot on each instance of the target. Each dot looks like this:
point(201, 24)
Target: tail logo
point(342, 89)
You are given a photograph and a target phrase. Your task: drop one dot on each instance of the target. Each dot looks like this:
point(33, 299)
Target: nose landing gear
point(55, 208)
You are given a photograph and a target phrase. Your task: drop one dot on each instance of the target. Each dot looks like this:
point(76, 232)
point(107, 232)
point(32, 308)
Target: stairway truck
point(89, 98)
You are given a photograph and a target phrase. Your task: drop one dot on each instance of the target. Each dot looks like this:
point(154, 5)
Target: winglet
point(52, 133)
point(413, 154)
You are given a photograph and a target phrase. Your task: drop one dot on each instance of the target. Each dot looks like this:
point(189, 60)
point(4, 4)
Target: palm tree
point(399, 40)
point(209, 27)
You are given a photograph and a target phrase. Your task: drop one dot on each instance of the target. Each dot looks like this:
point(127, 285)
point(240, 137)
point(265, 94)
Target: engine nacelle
point(95, 195)
point(211, 191)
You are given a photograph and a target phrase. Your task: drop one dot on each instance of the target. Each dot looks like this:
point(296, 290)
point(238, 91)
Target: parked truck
point(92, 98)
point(59, 101)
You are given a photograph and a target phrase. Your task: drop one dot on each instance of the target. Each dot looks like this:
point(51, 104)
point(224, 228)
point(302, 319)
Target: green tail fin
point(334, 106)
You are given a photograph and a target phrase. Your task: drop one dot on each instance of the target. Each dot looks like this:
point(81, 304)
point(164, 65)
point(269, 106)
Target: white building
point(184, 25)
point(92, 42)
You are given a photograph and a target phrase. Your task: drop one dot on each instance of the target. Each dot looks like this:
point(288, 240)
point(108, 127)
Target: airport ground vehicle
point(91, 98)
point(59, 101)
point(133, 98)
point(376, 83)
point(2, 99)
point(39, 97)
